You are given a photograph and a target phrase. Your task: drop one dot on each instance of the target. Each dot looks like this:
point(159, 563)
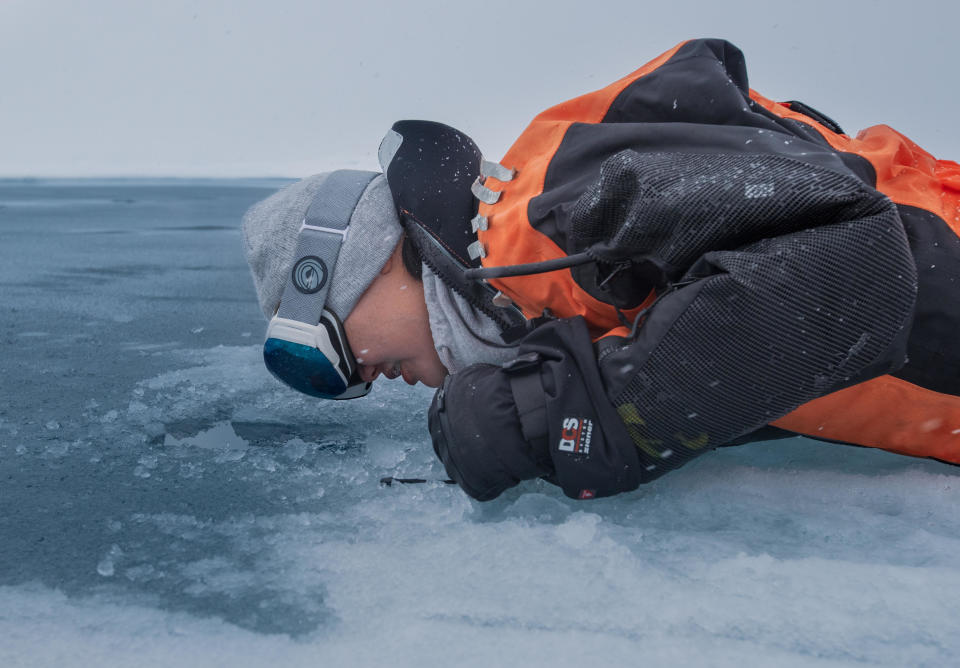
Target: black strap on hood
point(429, 168)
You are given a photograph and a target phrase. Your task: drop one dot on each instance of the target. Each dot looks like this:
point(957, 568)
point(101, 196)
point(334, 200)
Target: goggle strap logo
point(309, 274)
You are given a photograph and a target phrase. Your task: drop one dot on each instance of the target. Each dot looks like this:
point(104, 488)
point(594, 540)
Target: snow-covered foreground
point(163, 501)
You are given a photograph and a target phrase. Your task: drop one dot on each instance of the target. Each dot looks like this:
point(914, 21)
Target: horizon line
point(31, 179)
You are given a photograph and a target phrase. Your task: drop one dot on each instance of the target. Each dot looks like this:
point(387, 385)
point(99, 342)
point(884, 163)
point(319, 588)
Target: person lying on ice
point(655, 269)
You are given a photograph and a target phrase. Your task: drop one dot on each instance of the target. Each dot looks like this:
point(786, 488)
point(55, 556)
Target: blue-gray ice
point(164, 501)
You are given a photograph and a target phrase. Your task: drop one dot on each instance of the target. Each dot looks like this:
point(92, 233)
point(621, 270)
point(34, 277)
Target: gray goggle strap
point(322, 232)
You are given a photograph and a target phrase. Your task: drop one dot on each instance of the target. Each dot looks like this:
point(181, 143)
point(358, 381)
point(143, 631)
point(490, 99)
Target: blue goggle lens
point(303, 368)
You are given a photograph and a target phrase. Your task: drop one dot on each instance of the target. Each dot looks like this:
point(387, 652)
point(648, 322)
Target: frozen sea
point(164, 501)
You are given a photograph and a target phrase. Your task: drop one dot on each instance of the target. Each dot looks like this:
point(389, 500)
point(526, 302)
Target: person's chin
point(437, 381)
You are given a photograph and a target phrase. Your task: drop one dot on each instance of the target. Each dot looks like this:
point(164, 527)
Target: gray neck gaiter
point(462, 335)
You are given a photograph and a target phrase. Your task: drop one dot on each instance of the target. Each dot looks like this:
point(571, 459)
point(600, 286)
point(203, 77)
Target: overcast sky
point(241, 88)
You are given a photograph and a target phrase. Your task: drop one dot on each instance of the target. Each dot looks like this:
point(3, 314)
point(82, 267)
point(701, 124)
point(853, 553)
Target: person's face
point(389, 329)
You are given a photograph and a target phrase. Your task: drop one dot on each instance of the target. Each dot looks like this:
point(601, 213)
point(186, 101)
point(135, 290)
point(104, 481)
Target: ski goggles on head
point(306, 346)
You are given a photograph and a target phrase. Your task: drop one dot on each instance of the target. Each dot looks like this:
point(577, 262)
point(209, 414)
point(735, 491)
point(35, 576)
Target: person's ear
point(395, 257)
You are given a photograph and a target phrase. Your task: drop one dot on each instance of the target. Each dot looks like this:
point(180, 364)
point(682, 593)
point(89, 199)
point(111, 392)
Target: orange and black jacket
point(739, 265)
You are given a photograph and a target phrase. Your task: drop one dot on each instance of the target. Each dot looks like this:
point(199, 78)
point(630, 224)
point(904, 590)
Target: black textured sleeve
point(779, 282)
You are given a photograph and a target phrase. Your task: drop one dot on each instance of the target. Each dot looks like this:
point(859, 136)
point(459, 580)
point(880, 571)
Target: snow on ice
point(164, 501)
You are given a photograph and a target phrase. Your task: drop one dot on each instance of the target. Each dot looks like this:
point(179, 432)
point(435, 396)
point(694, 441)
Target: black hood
point(430, 168)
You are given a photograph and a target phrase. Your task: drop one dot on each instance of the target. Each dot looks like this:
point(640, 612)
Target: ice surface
point(164, 501)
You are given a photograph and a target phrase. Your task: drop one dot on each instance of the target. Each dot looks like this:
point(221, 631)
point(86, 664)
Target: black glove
point(544, 414)
point(477, 434)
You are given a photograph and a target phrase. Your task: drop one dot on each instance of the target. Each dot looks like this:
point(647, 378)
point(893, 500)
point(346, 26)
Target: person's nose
point(368, 373)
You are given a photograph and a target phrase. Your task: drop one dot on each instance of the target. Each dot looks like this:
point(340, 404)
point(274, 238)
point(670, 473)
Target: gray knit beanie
point(270, 231)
